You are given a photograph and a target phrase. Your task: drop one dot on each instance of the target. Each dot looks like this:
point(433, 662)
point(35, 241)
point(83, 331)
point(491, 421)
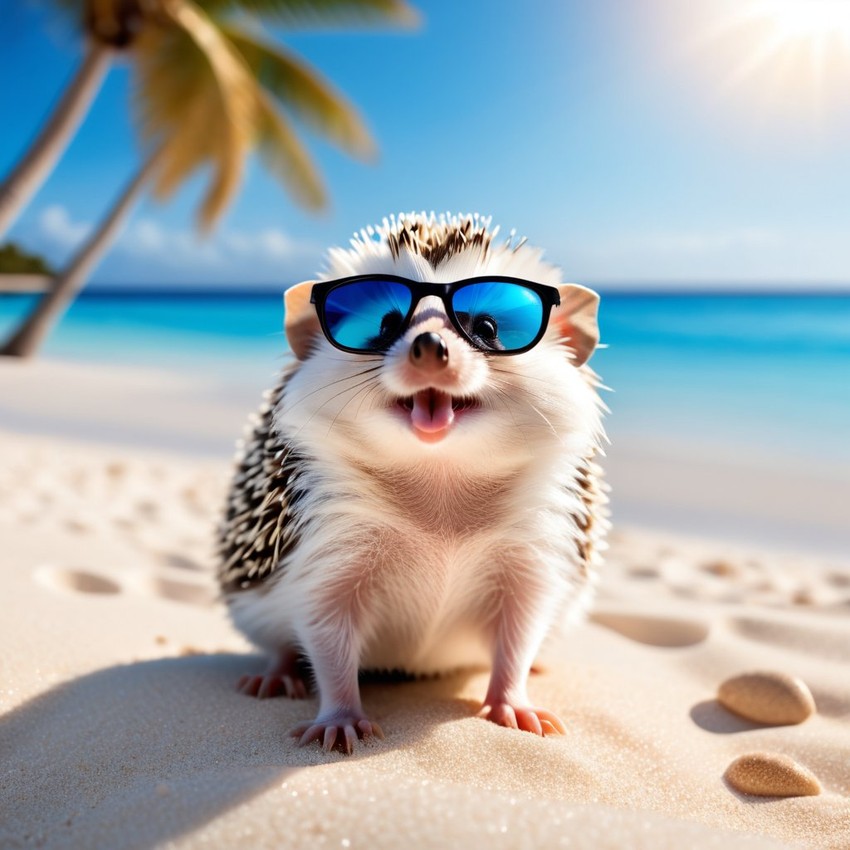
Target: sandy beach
point(121, 726)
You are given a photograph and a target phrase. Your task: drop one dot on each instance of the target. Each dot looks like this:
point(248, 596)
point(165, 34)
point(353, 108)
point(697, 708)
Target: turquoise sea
point(762, 373)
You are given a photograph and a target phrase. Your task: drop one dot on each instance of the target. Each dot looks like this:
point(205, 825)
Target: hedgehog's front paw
point(284, 677)
point(273, 685)
point(340, 730)
point(529, 719)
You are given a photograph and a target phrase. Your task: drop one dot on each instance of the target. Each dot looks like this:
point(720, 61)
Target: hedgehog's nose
point(429, 352)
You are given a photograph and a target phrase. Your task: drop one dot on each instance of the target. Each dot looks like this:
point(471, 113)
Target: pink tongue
point(432, 411)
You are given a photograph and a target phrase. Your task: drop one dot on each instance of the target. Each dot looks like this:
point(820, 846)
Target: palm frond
point(286, 158)
point(196, 93)
point(319, 13)
point(193, 147)
point(303, 93)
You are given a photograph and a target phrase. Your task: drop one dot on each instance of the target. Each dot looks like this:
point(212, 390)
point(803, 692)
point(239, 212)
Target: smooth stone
point(771, 775)
point(775, 699)
point(721, 568)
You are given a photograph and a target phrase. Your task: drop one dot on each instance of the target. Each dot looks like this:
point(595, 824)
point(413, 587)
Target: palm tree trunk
point(39, 160)
point(31, 333)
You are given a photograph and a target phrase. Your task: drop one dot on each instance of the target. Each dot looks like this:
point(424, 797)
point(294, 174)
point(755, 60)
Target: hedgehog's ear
point(575, 319)
point(300, 321)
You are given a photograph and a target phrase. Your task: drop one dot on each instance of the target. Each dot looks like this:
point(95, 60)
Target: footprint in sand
point(644, 572)
point(66, 579)
point(839, 579)
point(76, 581)
point(182, 562)
point(182, 591)
point(804, 637)
point(653, 631)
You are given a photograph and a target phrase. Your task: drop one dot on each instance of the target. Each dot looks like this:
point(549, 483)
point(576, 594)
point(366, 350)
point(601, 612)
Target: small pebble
point(775, 699)
point(147, 508)
point(803, 596)
point(643, 572)
point(721, 568)
point(771, 775)
point(839, 579)
point(116, 469)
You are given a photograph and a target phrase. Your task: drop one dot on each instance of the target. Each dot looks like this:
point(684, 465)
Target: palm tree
point(112, 28)
point(207, 93)
point(37, 163)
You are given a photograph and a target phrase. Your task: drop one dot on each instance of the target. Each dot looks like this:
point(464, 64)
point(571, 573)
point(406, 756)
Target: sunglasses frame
point(549, 298)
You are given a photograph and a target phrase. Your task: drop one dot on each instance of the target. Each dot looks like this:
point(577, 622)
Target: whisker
point(342, 392)
point(525, 376)
point(538, 396)
point(506, 397)
point(359, 374)
point(365, 396)
point(498, 386)
point(339, 412)
point(357, 358)
point(551, 426)
point(336, 396)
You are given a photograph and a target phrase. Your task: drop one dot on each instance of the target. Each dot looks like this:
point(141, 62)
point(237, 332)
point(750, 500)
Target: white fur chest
point(433, 551)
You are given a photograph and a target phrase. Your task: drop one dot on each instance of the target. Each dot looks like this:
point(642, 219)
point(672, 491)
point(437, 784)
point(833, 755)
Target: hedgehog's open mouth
point(432, 412)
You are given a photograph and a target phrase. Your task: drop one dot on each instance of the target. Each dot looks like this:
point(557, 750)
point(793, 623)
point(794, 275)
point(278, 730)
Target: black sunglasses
point(366, 314)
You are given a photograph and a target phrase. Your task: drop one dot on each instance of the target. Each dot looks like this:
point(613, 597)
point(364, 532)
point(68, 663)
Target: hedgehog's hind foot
point(284, 677)
point(527, 718)
point(339, 731)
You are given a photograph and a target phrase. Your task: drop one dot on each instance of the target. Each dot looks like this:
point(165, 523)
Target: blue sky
point(637, 142)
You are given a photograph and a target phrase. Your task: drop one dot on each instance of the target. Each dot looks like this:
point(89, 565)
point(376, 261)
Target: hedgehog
point(420, 491)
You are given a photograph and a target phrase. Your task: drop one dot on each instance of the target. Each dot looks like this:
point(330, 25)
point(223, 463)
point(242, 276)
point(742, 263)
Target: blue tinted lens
point(367, 314)
point(499, 316)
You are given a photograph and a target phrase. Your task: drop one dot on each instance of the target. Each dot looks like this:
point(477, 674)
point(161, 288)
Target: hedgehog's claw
point(337, 732)
point(267, 686)
point(283, 678)
point(538, 721)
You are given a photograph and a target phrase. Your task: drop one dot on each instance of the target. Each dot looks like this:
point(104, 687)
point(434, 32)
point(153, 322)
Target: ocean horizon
point(760, 372)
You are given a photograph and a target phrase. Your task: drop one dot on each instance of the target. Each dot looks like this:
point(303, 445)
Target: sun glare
point(790, 56)
point(804, 20)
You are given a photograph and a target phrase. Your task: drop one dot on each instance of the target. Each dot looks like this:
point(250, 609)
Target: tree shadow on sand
point(135, 755)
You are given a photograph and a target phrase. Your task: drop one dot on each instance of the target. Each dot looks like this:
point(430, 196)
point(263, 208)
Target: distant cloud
point(149, 252)
point(270, 243)
point(746, 253)
point(56, 225)
point(147, 237)
point(692, 242)
point(173, 248)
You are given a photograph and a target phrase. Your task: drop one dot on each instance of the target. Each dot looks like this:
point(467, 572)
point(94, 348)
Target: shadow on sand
point(135, 755)
point(713, 717)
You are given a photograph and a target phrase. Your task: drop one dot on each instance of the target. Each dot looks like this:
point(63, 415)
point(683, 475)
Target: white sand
point(121, 726)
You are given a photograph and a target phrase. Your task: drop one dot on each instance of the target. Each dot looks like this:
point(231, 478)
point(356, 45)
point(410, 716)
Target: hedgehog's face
point(431, 385)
